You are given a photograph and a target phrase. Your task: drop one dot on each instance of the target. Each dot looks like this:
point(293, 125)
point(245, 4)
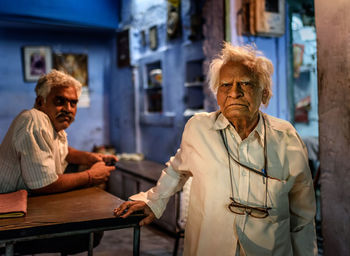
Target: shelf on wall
point(193, 84)
point(190, 112)
point(159, 119)
point(194, 95)
point(153, 87)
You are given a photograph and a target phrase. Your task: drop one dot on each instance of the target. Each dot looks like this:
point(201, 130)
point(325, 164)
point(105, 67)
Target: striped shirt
point(32, 154)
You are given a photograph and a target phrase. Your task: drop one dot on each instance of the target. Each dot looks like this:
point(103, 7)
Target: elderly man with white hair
point(251, 192)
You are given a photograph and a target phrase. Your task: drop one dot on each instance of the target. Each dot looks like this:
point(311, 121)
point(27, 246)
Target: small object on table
point(13, 204)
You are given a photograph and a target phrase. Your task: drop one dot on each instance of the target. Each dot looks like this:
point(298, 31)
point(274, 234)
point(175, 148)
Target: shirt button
point(243, 173)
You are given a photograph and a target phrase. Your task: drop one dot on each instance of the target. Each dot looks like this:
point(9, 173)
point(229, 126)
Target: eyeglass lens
point(241, 209)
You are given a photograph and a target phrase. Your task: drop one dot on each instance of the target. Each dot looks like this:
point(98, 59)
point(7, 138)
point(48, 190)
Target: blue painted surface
point(306, 84)
point(91, 125)
point(122, 108)
point(102, 13)
point(114, 117)
point(275, 48)
point(158, 135)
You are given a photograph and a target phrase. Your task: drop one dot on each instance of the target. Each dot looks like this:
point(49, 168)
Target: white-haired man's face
point(60, 106)
point(239, 95)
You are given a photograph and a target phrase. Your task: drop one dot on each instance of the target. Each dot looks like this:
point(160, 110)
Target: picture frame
point(37, 60)
point(153, 38)
point(174, 19)
point(76, 65)
point(123, 50)
point(143, 38)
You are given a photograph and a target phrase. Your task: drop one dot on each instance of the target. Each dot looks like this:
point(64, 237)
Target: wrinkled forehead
point(236, 70)
point(68, 92)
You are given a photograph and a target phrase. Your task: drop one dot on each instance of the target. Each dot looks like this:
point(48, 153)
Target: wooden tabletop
point(89, 208)
point(144, 169)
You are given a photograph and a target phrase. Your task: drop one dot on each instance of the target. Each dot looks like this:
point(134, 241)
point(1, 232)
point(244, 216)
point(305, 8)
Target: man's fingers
point(126, 209)
point(110, 159)
point(147, 220)
point(120, 209)
point(132, 208)
point(111, 168)
point(127, 213)
point(99, 163)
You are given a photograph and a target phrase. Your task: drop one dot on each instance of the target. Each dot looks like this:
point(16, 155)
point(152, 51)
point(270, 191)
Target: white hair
point(56, 78)
point(259, 66)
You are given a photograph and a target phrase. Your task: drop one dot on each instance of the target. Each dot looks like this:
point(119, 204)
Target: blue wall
point(275, 48)
point(102, 13)
point(117, 113)
point(157, 135)
point(91, 125)
point(66, 26)
point(122, 109)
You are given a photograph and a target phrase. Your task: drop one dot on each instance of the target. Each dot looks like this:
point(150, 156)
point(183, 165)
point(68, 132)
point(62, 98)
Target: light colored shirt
point(32, 154)
point(211, 228)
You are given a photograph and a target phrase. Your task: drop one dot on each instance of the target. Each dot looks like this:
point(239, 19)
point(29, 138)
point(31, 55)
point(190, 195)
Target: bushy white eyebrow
point(243, 79)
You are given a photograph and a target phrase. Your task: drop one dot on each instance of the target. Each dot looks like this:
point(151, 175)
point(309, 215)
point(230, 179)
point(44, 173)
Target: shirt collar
point(62, 135)
point(221, 123)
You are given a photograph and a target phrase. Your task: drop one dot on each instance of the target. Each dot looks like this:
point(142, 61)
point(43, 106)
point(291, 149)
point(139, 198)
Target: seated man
point(35, 151)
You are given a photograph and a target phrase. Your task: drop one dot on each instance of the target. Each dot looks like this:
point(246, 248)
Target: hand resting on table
point(128, 207)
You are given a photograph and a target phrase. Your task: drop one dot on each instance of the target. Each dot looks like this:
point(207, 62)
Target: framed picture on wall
point(123, 51)
point(76, 65)
point(37, 60)
point(153, 38)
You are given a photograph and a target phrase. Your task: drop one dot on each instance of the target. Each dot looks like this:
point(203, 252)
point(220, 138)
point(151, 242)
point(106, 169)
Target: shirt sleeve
point(34, 148)
point(157, 197)
point(302, 201)
point(171, 180)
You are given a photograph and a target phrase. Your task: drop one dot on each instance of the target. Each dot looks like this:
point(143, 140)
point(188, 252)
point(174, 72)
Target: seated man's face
point(60, 106)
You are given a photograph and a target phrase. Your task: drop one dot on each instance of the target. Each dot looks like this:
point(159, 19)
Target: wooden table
point(76, 212)
point(131, 177)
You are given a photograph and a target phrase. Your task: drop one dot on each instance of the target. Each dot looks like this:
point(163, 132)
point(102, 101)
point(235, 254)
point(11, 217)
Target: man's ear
point(264, 96)
point(39, 101)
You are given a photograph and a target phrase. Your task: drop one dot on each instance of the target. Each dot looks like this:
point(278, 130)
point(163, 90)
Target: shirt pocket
point(277, 199)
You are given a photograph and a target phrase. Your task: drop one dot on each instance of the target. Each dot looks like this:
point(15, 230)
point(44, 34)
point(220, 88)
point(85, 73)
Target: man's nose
point(68, 107)
point(236, 90)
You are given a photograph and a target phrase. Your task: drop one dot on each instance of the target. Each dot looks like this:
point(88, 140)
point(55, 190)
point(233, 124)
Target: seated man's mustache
point(65, 114)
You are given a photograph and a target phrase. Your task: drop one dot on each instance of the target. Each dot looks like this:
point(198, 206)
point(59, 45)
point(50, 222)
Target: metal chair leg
point(176, 245)
point(91, 244)
point(136, 245)
point(9, 249)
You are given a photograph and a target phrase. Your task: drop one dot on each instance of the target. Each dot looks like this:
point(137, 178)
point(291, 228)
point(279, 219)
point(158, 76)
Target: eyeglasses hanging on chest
point(234, 206)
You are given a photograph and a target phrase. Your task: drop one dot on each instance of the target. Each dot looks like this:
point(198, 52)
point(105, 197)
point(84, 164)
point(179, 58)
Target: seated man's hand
point(109, 159)
point(99, 173)
point(129, 207)
point(98, 157)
